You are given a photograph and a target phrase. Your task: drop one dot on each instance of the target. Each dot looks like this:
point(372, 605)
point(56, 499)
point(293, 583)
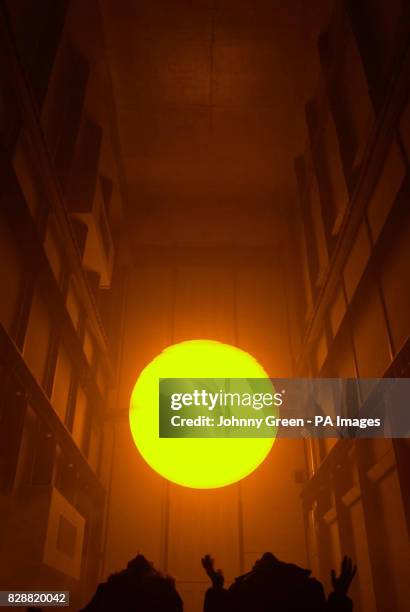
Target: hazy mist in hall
point(235, 171)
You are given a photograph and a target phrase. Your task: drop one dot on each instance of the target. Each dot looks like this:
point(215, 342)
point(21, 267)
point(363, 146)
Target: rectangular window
point(349, 96)
point(386, 190)
point(73, 304)
point(66, 108)
point(88, 346)
point(44, 457)
point(80, 431)
point(356, 101)
point(27, 175)
point(11, 276)
point(27, 448)
point(340, 362)
point(12, 411)
point(104, 231)
point(66, 536)
point(370, 333)
point(53, 251)
point(333, 211)
point(321, 352)
point(357, 261)
point(38, 336)
point(337, 312)
point(93, 455)
point(61, 384)
point(319, 235)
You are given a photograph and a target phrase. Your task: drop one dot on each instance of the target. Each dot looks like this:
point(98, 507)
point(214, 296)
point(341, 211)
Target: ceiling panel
point(210, 101)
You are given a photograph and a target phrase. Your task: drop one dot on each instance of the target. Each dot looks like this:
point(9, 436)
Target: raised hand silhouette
point(216, 576)
point(342, 582)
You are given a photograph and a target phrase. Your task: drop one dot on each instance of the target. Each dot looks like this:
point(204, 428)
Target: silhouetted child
point(274, 586)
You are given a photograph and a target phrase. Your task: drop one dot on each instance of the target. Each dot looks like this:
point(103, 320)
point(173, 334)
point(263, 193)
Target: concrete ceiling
point(210, 99)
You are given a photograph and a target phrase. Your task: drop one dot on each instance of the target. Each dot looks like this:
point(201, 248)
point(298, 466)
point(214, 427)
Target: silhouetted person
point(138, 588)
point(274, 586)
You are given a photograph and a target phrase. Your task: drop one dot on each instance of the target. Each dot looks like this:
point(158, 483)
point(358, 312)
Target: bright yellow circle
point(201, 463)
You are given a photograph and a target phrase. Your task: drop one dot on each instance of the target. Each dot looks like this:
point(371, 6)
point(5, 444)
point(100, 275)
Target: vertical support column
point(375, 537)
point(241, 542)
point(166, 505)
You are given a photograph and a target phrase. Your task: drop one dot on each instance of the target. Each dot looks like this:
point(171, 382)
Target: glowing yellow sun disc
point(202, 463)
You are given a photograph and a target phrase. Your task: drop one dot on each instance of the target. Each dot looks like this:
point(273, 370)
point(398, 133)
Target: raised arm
point(338, 600)
point(216, 598)
point(215, 576)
